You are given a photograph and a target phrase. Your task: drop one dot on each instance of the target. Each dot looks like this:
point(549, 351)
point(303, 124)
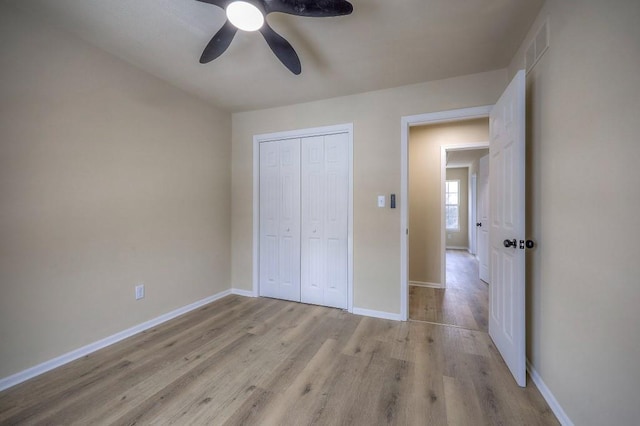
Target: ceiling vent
point(538, 46)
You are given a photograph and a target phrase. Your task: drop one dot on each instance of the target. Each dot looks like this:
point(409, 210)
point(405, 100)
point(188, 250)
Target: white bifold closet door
point(280, 219)
point(304, 193)
point(325, 195)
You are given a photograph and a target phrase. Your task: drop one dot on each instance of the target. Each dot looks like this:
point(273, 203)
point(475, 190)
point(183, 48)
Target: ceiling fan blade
point(220, 3)
point(312, 8)
point(219, 43)
point(282, 49)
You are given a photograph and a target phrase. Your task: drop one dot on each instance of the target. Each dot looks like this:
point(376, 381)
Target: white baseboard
point(457, 248)
point(425, 284)
point(29, 373)
point(548, 396)
point(245, 293)
point(376, 314)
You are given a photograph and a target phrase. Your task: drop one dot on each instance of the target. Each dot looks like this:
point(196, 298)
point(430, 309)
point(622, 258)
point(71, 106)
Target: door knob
point(479, 224)
point(528, 244)
point(510, 243)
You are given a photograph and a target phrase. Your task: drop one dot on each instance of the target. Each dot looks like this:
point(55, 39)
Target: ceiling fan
point(249, 15)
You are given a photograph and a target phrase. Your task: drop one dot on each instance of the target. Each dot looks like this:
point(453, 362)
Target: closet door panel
point(279, 268)
point(336, 219)
point(312, 248)
point(324, 220)
point(289, 219)
point(269, 219)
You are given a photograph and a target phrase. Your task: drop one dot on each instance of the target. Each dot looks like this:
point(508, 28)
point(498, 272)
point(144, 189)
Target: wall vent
point(537, 47)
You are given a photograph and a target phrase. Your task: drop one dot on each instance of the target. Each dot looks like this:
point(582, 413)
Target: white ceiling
point(383, 44)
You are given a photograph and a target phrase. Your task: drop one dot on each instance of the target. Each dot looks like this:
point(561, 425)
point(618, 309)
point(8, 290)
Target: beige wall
point(108, 178)
point(460, 238)
point(583, 182)
point(425, 191)
point(376, 117)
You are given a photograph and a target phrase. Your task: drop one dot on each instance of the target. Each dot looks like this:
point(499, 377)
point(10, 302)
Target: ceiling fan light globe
point(245, 16)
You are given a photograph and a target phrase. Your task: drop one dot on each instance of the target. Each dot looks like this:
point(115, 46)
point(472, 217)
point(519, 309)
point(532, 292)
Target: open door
point(483, 222)
point(507, 208)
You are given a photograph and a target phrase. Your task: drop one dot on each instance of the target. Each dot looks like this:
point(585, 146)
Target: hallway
point(464, 303)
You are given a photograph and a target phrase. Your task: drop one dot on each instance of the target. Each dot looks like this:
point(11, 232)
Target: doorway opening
point(444, 284)
point(456, 135)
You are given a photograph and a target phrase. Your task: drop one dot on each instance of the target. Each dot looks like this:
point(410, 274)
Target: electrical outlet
point(139, 291)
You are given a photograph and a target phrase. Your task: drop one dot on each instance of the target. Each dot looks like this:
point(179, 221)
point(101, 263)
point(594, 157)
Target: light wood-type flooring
point(258, 361)
point(463, 303)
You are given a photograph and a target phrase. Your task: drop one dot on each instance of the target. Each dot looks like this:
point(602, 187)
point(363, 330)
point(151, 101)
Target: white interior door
point(473, 209)
point(279, 270)
point(325, 186)
point(507, 174)
point(483, 219)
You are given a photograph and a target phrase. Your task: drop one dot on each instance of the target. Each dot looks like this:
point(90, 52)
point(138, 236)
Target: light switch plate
point(381, 200)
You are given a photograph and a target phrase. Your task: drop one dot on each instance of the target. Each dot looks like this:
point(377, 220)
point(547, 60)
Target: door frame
point(295, 134)
point(405, 123)
point(473, 213)
point(443, 177)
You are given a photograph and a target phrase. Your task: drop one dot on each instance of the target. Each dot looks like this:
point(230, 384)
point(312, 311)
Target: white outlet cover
point(139, 291)
point(381, 200)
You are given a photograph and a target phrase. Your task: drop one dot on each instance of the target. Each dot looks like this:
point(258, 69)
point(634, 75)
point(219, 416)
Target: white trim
point(405, 123)
point(457, 248)
point(29, 373)
point(256, 213)
point(350, 222)
point(240, 292)
point(425, 284)
point(404, 217)
point(303, 133)
point(377, 314)
point(473, 201)
point(294, 134)
point(548, 396)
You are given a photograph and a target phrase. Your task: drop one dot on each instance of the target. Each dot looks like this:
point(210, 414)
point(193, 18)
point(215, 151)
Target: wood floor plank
point(463, 407)
point(304, 390)
point(428, 355)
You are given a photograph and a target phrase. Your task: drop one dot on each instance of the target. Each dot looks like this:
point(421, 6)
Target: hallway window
point(452, 204)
